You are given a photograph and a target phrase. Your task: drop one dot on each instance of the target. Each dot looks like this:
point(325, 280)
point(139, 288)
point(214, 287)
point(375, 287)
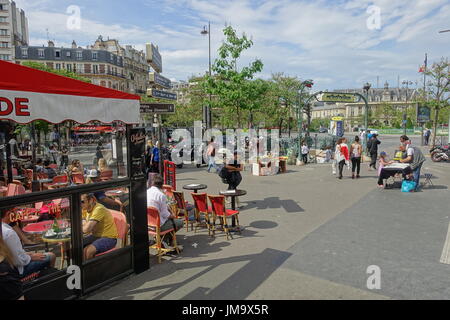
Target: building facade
point(136, 68)
point(13, 29)
point(101, 67)
point(398, 99)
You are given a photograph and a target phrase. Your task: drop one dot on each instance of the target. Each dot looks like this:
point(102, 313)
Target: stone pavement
point(308, 235)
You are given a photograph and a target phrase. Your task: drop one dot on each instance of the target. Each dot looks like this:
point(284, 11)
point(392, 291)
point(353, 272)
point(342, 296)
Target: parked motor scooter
point(440, 153)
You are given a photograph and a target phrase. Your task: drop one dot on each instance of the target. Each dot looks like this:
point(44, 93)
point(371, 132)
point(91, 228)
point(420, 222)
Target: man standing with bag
point(211, 153)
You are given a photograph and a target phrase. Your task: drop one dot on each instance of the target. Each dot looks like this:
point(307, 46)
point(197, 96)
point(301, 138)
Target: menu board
point(137, 153)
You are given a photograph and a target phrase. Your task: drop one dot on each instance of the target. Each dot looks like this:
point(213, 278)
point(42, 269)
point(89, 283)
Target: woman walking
point(356, 153)
point(342, 154)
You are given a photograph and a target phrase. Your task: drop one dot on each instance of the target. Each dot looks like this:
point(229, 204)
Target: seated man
point(50, 172)
point(156, 198)
point(26, 262)
point(92, 177)
point(98, 222)
point(414, 157)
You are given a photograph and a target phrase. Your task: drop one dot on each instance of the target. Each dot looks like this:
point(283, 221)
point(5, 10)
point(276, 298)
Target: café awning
point(28, 94)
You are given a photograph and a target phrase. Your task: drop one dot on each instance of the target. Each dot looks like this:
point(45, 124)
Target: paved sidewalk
point(308, 235)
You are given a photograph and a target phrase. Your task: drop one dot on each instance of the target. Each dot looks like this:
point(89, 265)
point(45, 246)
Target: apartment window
point(3, 19)
point(95, 68)
point(79, 68)
point(112, 58)
point(58, 66)
point(68, 55)
point(5, 57)
point(94, 55)
point(69, 67)
point(3, 32)
point(79, 55)
point(57, 54)
point(24, 52)
point(3, 7)
point(41, 53)
point(4, 44)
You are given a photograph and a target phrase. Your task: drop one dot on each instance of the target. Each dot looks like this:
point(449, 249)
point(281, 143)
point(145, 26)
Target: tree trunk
point(434, 133)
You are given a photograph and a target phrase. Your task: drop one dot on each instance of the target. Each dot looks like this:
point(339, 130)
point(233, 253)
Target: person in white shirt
point(305, 151)
point(26, 262)
point(156, 198)
point(211, 153)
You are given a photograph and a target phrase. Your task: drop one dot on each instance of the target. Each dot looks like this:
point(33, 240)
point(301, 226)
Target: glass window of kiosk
point(105, 221)
point(42, 156)
point(39, 235)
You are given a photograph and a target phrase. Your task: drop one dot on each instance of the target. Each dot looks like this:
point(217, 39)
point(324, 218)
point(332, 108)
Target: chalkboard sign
point(137, 151)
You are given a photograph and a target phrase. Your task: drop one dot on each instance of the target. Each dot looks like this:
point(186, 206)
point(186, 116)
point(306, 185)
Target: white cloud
point(324, 40)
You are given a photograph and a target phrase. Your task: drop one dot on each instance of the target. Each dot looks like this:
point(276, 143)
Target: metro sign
point(20, 105)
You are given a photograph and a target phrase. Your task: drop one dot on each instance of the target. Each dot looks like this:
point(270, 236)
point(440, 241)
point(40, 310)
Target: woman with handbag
point(342, 155)
point(356, 154)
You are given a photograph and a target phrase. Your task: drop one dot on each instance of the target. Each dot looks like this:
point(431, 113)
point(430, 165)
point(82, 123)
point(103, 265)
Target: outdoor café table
point(233, 194)
point(393, 169)
point(195, 187)
point(43, 181)
point(58, 185)
point(62, 239)
point(115, 193)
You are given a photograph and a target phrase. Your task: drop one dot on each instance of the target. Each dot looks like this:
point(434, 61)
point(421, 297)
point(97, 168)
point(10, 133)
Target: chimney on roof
point(51, 44)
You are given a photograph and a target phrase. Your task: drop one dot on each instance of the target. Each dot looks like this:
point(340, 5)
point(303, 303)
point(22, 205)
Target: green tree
point(228, 84)
point(438, 91)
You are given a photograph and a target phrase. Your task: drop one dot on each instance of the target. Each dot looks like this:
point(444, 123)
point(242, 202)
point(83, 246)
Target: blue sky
point(324, 40)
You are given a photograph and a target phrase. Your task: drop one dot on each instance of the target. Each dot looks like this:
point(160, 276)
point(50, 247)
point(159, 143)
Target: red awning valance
point(28, 94)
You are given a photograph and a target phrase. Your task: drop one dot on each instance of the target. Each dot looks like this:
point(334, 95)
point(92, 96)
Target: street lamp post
point(407, 83)
point(208, 108)
point(366, 113)
point(306, 83)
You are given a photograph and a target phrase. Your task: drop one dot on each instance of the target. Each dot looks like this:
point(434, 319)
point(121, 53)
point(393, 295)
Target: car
point(323, 130)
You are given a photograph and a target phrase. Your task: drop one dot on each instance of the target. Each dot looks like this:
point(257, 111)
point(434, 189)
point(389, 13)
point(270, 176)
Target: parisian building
point(136, 68)
point(353, 113)
point(13, 29)
point(103, 68)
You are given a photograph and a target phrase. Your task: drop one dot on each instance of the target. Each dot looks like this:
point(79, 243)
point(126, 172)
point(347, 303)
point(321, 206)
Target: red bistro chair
point(106, 175)
point(183, 208)
point(122, 229)
point(154, 230)
point(219, 211)
point(202, 209)
point(168, 190)
point(78, 178)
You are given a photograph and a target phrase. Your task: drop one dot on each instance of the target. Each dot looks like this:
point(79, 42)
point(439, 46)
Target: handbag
point(408, 185)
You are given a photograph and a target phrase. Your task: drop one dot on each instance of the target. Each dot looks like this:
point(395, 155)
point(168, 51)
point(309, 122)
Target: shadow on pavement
point(289, 205)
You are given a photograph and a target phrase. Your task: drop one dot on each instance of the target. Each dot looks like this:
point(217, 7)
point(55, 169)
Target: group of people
point(99, 235)
point(408, 154)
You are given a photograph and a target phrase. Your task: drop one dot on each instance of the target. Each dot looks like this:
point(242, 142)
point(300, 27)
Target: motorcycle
point(440, 153)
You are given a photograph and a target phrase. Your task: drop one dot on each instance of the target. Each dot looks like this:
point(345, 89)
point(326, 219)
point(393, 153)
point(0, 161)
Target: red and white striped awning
point(28, 94)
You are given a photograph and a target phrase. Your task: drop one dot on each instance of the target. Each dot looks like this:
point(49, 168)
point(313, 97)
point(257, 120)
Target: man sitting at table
point(156, 198)
point(414, 157)
point(26, 262)
point(50, 172)
point(98, 222)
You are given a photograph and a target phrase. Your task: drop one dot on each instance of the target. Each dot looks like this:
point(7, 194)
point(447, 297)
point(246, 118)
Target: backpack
point(224, 173)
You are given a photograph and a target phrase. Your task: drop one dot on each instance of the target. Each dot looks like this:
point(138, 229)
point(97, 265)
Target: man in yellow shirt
point(98, 223)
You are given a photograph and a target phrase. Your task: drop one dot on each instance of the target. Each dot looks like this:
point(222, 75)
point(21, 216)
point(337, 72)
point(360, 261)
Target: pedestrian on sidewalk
point(342, 155)
point(372, 148)
point(427, 135)
point(211, 153)
point(305, 152)
point(414, 157)
point(356, 154)
point(64, 160)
